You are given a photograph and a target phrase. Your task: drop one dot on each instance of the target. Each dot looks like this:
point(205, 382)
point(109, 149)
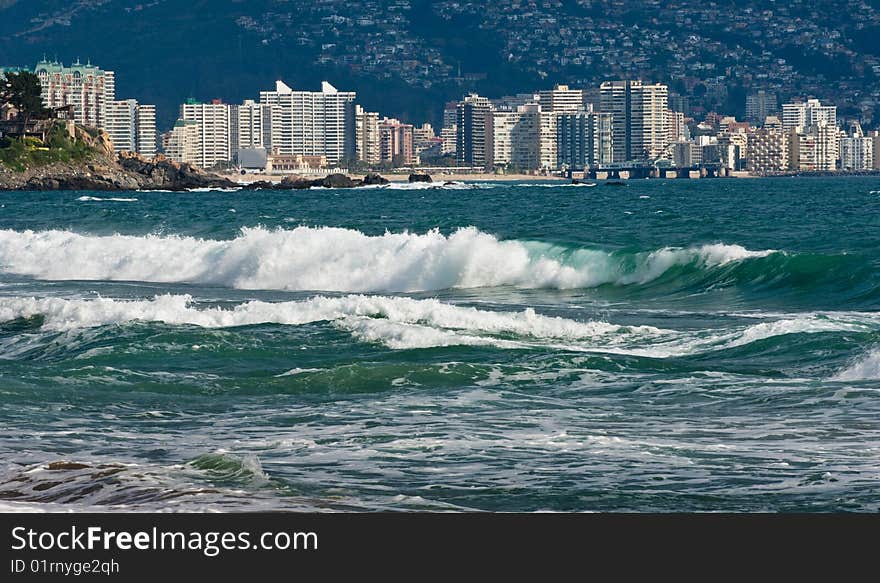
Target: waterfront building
point(768, 151)
point(131, 127)
point(856, 150)
point(513, 138)
point(875, 138)
point(147, 138)
point(86, 87)
point(471, 118)
point(803, 116)
point(424, 138)
point(639, 119)
point(277, 163)
point(816, 149)
point(396, 142)
point(760, 105)
point(312, 123)
point(367, 140)
point(214, 137)
point(686, 154)
point(585, 140)
point(249, 127)
point(181, 144)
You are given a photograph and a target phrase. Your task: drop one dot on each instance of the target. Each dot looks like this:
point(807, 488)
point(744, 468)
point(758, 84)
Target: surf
point(347, 260)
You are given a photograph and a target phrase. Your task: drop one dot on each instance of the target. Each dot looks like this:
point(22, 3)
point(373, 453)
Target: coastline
point(436, 177)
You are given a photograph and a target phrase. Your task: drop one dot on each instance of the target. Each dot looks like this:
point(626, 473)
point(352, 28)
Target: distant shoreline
point(484, 177)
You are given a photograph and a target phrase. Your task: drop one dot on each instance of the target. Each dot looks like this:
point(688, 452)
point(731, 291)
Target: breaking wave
point(345, 260)
point(99, 199)
point(406, 323)
point(866, 368)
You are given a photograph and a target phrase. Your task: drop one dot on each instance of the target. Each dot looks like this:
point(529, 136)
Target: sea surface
point(693, 345)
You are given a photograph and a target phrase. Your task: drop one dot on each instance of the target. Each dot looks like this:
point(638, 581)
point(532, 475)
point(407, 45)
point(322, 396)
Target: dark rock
point(373, 179)
point(338, 181)
point(420, 177)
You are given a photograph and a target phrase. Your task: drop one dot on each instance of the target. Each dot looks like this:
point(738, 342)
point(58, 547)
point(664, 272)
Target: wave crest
point(343, 260)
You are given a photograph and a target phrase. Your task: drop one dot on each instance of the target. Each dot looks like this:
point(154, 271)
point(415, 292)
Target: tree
point(23, 91)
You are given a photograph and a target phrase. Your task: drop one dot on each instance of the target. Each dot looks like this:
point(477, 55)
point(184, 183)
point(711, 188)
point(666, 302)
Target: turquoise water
point(667, 346)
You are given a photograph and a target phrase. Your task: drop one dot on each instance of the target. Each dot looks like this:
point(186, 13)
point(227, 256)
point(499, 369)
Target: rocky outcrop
point(373, 179)
point(161, 173)
point(420, 177)
point(126, 171)
point(106, 172)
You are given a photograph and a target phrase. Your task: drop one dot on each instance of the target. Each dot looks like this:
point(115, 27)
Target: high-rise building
point(639, 118)
point(367, 141)
point(249, 126)
point(214, 123)
point(761, 104)
point(561, 99)
point(816, 149)
point(449, 137)
point(805, 115)
point(875, 137)
point(86, 87)
point(121, 124)
point(768, 151)
point(513, 138)
point(181, 144)
point(856, 150)
point(131, 127)
point(312, 123)
point(676, 130)
point(396, 142)
point(585, 140)
point(145, 129)
point(471, 118)
point(423, 138)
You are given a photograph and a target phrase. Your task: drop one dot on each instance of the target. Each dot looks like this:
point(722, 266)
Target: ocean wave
point(99, 199)
point(865, 368)
point(58, 314)
point(407, 323)
point(345, 260)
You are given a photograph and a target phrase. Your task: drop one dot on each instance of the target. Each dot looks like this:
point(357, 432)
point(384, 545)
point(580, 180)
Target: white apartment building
point(312, 123)
point(513, 138)
point(249, 126)
point(181, 144)
point(816, 149)
point(639, 118)
point(875, 138)
point(131, 127)
point(86, 87)
point(803, 116)
point(768, 151)
point(561, 99)
point(856, 150)
point(214, 137)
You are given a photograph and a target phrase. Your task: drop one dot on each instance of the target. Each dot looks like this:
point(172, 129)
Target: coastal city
point(620, 128)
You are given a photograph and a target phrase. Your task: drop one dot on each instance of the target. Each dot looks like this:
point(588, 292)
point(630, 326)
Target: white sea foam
point(335, 259)
point(865, 368)
point(438, 184)
point(99, 199)
point(406, 323)
point(65, 314)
